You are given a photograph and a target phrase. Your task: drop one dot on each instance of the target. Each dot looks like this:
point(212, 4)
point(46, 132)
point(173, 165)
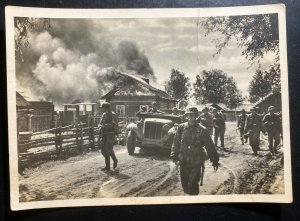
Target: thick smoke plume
point(71, 62)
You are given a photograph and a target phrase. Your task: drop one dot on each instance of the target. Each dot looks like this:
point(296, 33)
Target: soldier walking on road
point(252, 128)
point(206, 120)
point(107, 130)
point(192, 144)
point(272, 125)
point(241, 126)
point(219, 126)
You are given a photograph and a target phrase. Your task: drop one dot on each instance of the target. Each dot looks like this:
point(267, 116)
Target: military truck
point(155, 130)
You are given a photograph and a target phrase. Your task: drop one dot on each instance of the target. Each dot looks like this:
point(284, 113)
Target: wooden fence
point(58, 143)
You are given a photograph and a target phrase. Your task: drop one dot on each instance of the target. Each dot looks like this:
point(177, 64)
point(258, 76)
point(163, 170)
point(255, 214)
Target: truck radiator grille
point(153, 131)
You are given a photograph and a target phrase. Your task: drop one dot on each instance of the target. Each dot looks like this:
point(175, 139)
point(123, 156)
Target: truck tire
point(130, 142)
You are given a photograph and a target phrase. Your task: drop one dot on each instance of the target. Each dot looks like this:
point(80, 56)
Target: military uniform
point(219, 126)
point(241, 127)
point(207, 121)
point(188, 149)
point(253, 128)
point(107, 137)
point(272, 125)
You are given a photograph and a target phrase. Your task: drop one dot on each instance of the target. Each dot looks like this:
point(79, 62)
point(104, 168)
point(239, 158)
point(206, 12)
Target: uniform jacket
point(107, 123)
point(241, 121)
point(219, 121)
point(253, 122)
point(206, 120)
point(272, 122)
point(189, 141)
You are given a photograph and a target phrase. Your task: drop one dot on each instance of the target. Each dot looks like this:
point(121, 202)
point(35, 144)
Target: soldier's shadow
point(117, 175)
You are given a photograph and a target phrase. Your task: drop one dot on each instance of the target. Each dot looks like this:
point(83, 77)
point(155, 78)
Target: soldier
point(107, 130)
point(241, 126)
point(253, 128)
point(219, 126)
point(142, 110)
point(188, 148)
point(206, 120)
point(272, 125)
point(154, 108)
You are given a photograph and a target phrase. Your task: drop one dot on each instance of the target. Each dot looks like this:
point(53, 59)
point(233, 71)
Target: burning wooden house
point(126, 99)
point(33, 116)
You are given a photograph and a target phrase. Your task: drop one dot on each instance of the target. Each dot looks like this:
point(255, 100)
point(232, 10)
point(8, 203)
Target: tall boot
point(114, 158)
point(107, 163)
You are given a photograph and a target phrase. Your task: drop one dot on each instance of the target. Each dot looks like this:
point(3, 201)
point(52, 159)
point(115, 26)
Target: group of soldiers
point(193, 144)
point(252, 124)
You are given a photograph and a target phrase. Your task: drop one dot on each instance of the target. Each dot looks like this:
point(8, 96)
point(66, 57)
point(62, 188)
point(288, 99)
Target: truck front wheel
point(130, 142)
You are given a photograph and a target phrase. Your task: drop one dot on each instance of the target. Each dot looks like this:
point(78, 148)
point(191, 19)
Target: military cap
point(105, 104)
point(174, 109)
point(271, 108)
point(191, 110)
point(144, 108)
point(214, 109)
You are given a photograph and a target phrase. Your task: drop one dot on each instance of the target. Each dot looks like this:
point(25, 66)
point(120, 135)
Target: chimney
point(146, 80)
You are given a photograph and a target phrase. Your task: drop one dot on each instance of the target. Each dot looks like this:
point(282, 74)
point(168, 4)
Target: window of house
point(120, 110)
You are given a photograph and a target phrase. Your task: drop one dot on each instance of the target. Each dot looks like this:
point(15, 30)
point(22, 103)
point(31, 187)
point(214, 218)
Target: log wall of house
point(132, 104)
point(274, 100)
point(42, 116)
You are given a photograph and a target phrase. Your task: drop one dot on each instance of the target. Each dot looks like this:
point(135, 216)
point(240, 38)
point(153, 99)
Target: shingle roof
point(265, 98)
point(156, 91)
point(21, 101)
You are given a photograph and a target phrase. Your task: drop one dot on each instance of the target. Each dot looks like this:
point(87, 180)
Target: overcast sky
point(75, 52)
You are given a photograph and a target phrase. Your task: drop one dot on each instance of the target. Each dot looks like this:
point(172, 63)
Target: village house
point(272, 99)
point(33, 116)
point(126, 104)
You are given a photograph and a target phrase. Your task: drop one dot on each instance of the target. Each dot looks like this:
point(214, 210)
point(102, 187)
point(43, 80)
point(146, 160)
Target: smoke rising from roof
point(69, 62)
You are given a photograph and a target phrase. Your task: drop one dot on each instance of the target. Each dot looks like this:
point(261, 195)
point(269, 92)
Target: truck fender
point(136, 129)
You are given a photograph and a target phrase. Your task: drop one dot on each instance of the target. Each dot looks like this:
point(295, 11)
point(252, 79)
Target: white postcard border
point(12, 12)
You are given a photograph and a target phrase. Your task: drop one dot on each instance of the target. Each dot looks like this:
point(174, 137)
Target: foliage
point(264, 83)
point(23, 27)
point(255, 34)
point(178, 85)
point(215, 86)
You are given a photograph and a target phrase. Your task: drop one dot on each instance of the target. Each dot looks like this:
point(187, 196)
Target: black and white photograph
point(147, 106)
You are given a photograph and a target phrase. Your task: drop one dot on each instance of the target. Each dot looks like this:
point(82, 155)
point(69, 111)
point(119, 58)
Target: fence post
point(81, 137)
point(56, 139)
point(92, 136)
point(77, 134)
point(60, 138)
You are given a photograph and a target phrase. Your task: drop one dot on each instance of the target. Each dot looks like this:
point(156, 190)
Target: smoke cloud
point(70, 62)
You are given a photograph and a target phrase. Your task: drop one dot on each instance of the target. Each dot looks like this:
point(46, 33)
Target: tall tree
point(23, 27)
point(178, 85)
point(255, 34)
point(260, 86)
point(215, 86)
point(273, 77)
point(233, 97)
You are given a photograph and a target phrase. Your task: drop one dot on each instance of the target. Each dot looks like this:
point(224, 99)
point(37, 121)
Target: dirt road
point(151, 173)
